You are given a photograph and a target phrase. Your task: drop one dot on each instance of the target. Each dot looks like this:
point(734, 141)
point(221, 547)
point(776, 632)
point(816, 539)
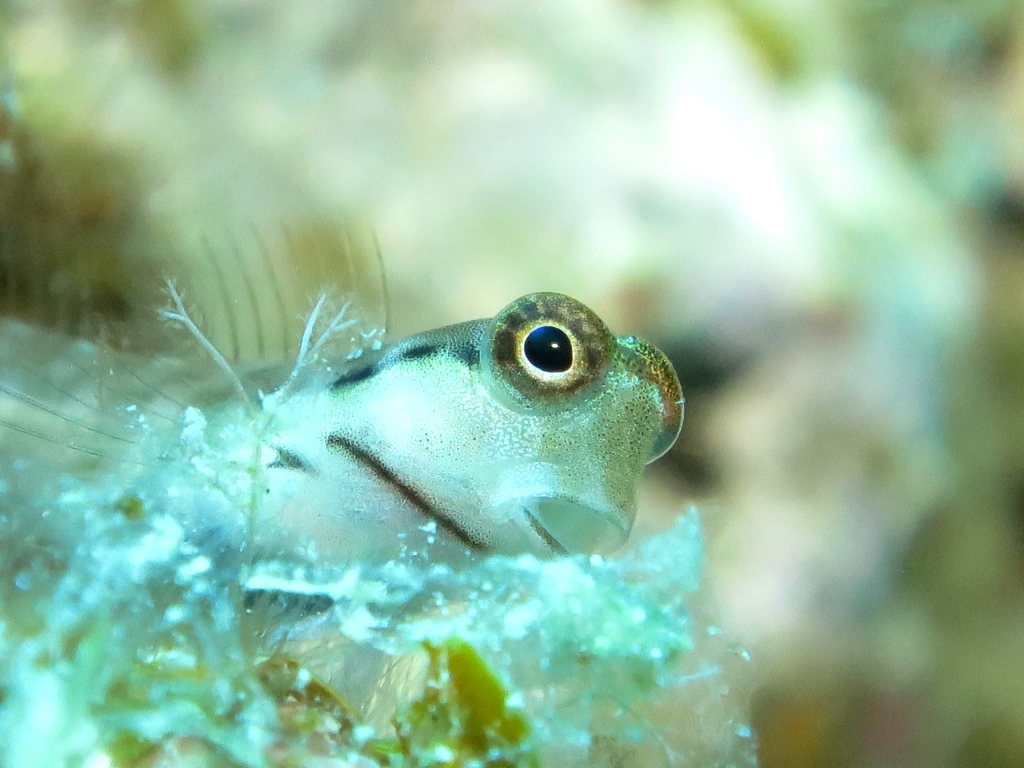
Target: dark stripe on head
point(414, 352)
point(339, 443)
point(420, 351)
point(467, 352)
point(541, 531)
point(354, 375)
point(456, 346)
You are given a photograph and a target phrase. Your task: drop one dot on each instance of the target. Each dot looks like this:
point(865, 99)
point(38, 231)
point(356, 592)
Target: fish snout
point(650, 365)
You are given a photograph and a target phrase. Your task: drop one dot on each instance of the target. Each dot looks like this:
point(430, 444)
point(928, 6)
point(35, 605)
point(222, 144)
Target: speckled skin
point(451, 441)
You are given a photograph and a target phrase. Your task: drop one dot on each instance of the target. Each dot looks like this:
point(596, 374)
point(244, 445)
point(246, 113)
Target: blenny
point(523, 432)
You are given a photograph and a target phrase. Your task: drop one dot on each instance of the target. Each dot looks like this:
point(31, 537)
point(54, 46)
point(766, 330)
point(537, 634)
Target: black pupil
point(549, 349)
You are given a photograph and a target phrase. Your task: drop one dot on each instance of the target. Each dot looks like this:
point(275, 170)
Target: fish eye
point(545, 347)
point(549, 349)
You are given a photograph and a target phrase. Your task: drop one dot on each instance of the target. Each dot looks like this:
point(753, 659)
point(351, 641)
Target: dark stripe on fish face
point(467, 353)
point(542, 532)
point(414, 352)
point(339, 443)
point(354, 376)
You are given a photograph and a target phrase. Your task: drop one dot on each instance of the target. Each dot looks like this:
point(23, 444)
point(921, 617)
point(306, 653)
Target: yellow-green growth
point(132, 507)
point(463, 717)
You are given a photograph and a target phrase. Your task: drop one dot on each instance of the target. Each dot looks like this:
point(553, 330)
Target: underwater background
point(816, 209)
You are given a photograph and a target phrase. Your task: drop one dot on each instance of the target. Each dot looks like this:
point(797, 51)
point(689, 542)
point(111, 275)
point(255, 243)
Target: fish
point(524, 432)
point(260, 442)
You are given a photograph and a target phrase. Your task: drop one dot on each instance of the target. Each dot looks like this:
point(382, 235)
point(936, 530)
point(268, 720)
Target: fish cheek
point(343, 512)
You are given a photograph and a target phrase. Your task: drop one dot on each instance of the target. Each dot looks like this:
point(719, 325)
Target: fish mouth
point(567, 526)
point(540, 506)
point(578, 522)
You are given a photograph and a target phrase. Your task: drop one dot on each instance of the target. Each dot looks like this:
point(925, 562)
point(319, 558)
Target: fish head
point(525, 432)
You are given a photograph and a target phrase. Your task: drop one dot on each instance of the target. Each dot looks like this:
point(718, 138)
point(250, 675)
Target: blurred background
point(816, 208)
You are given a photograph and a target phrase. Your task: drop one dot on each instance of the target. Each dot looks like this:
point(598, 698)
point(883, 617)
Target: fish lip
point(571, 526)
point(543, 533)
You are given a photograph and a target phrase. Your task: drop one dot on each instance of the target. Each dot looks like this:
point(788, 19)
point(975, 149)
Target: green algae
point(464, 717)
point(132, 507)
